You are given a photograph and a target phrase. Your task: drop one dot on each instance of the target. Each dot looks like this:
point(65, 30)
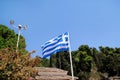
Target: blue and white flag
point(57, 44)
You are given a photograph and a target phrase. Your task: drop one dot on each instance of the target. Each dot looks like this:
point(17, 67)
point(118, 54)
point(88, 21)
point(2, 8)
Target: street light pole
point(19, 31)
point(19, 27)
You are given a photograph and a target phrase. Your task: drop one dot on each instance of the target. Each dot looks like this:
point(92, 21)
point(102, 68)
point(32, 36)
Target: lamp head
point(25, 27)
point(11, 22)
point(19, 27)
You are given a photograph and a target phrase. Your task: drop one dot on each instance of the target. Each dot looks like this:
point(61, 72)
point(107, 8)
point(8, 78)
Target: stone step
point(45, 73)
point(52, 73)
point(44, 69)
point(53, 77)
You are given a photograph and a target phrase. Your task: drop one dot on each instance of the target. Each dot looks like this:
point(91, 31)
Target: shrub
point(17, 66)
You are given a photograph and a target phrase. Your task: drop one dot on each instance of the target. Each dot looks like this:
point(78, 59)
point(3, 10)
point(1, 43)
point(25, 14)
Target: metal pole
point(18, 40)
point(70, 59)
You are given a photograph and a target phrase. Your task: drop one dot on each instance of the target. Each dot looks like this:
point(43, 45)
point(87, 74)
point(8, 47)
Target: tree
point(90, 63)
point(8, 39)
point(83, 61)
point(109, 60)
point(15, 66)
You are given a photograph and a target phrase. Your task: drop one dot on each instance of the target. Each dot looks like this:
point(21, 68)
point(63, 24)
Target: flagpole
point(70, 58)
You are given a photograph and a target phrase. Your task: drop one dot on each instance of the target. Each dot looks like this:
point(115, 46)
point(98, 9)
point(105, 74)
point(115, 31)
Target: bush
point(17, 66)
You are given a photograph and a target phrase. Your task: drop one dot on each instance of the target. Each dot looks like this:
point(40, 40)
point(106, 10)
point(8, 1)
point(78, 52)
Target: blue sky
point(92, 22)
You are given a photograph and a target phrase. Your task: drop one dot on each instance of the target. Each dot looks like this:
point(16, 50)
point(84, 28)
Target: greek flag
point(57, 44)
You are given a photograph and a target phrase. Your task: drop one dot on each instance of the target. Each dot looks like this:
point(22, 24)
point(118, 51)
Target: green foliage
point(53, 60)
point(109, 59)
point(14, 66)
point(89, 63)
point(8, 39)
point(60, 60)
point(83, 61)
point(45, 63)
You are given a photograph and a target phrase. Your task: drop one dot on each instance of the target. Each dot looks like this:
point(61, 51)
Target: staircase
point(52, 74)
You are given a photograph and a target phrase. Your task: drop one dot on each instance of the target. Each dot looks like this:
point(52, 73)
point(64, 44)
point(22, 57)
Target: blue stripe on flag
point(52, 40)
point(49, 54)
point(52, 43)
point(57, 44)
point(54, 47)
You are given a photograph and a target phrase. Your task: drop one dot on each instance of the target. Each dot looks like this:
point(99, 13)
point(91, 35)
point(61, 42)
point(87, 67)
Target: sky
point(89, 22)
